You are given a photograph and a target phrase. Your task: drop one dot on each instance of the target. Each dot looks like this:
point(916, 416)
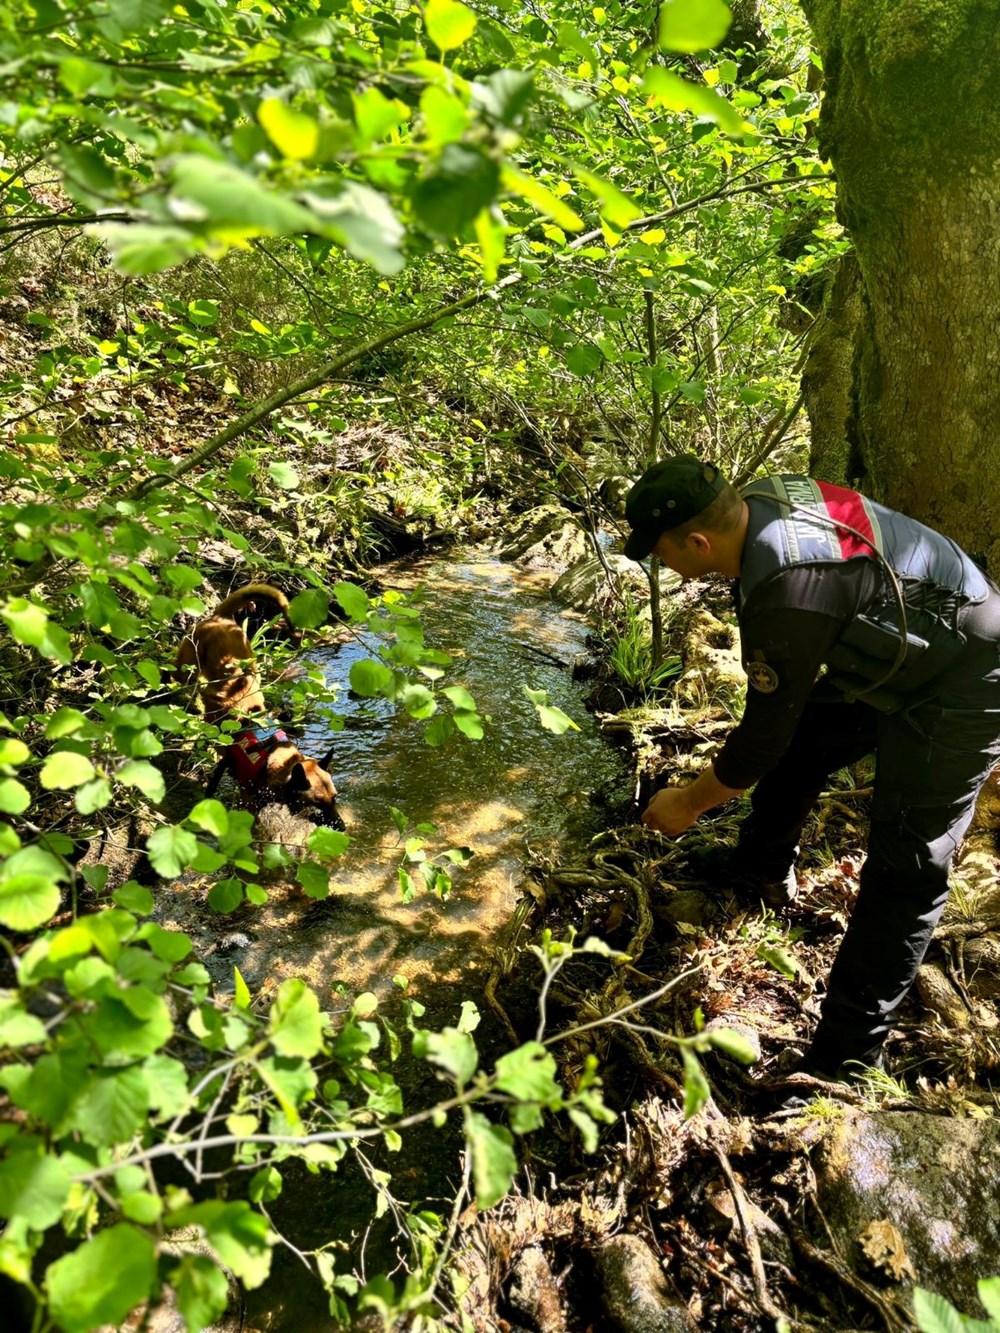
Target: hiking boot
point(822, 1061)
point(736, 869)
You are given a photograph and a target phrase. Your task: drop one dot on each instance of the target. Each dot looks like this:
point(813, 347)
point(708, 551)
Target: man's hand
point(671, 811)
point(675, 809)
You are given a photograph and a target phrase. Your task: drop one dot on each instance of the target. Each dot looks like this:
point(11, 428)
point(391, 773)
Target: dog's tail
point(247, 599)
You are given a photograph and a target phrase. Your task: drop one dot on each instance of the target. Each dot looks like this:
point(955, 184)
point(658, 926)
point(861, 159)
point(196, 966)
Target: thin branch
point(769, 443)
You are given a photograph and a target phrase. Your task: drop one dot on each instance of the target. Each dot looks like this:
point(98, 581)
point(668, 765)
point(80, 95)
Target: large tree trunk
point(910, 123)
point(828, 379)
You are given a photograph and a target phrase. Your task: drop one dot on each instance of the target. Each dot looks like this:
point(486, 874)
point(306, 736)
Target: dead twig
point(762, 1295)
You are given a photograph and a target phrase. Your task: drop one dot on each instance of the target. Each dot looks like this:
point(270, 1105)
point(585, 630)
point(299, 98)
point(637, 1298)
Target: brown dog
point(268, 766)
point(218, 654)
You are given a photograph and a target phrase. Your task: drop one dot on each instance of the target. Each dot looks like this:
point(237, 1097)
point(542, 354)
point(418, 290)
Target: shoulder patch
point(762, 677)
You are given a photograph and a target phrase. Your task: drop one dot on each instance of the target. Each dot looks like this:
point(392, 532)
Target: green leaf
point(129, 1026)
point(203, 313)
point(142, 1207)
point(470, 725)
point(201, 1290)
point(18, 1027)
point(693, 25)
point(375, 115)
point(529, 1073)
point(27, 901)
point(449, 23)
point(935, 1314)
point(438, 731)
point(616, 208)
point(309, 609)
point(141, 774)
point(63, 722)
point(552, 719)
point(168, 1088)
point(30, 625)
point(493, 1160)
point(417, 700)
point(170, 945)
point(780, 959)
point(265, 1185)
point(292, 1082)
point(283, 474)
point(671, 91)
point(586, 1125)
point(93, 796)
point(225, 895)
point(129, 16)
point(540, 197)
point(114, 1106)
point(233, 202)
point(34, 1185)
point(353, 601)
point(240, 1237)
point(696, 1089)
point(584, 358)
point(83, 78)
point(242, 997)
point(371, 679)
point(362, 220)
point(455, 189)
point(314, 879)
point(450, 1049)
point(13, 751)
point(65, 769)
point(989, 1294)
point(171, 850)
point(141, 248)
point(460, 698)
point(14, 797)
point(328, 843)
point(296, 1025)
point(212, 816)
point(293, 133)
point(134, 898)
point(102, 1280)
point(734, 1044)
point(445, 117)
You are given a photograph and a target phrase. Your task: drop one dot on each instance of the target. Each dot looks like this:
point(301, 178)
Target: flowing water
point(518, 793)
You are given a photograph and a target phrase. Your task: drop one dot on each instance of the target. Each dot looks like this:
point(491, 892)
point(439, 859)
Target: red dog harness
point(249, 752)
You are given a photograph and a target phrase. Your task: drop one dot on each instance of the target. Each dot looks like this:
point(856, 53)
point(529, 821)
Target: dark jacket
point(884, 609)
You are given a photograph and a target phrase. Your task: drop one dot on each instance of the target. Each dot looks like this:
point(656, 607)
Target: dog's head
point(314, 788)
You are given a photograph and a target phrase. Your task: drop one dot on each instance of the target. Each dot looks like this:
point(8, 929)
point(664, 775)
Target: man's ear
point(699, 542)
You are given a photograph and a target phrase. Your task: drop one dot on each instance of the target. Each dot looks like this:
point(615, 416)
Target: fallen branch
point(762, 1296)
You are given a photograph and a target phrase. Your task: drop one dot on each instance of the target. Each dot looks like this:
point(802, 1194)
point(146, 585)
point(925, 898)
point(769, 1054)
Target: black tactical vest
point(795, 521)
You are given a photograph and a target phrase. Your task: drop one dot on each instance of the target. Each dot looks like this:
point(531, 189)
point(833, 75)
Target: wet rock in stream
point(935, 1179)
point(586, 582)
point(546, 535)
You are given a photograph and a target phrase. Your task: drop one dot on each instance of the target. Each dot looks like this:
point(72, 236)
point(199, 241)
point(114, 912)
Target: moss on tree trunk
point(910, 123)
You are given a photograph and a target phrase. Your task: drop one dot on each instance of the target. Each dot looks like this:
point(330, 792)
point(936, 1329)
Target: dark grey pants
point(931, 761)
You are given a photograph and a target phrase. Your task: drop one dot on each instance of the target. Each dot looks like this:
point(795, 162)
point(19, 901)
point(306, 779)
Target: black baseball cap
point(667, 495)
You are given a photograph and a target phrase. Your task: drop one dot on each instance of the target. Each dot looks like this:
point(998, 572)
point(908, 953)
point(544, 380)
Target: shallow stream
point(519, 793)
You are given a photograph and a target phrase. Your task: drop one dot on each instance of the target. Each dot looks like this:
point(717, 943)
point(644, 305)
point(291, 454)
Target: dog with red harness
point(268, 766)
